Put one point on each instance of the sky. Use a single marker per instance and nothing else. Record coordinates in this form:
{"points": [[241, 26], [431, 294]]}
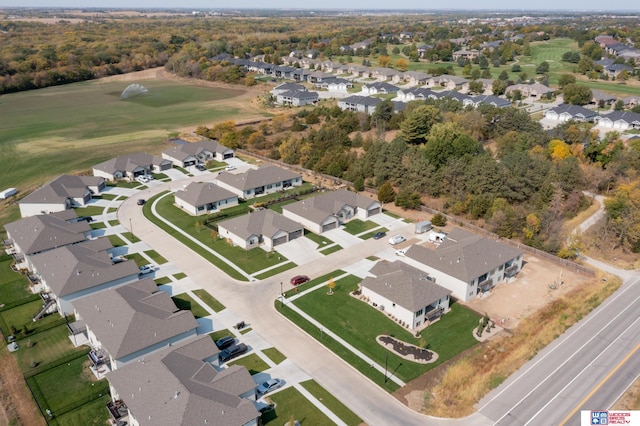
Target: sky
{"points": [[544, 5]]}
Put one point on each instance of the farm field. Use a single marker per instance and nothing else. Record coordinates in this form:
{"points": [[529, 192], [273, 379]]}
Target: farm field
{"points": [[69, 128]]}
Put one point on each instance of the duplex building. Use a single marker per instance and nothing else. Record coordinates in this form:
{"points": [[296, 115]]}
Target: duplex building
{"points": [[62, 193], [204, 198], [185, 154], [566, 112], [131, 166], [255, 182], [260, 228]]}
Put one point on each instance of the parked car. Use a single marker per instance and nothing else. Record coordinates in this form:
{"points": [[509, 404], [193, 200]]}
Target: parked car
{"points": [[269, 386], [142, 179], [230, 167], [118, 259], [299, 279], [401, 252], [85, 218], [147, 269], [149, 177], [379, 234], [225, 342], [232, 352], [397, 239], [141, 201], [200, 167]]}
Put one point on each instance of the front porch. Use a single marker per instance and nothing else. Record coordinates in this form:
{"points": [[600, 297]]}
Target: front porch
{"points": [[119, 412]]}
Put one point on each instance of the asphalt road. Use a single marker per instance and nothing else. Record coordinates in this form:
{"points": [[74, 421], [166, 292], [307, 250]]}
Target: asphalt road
{"points": [[593, 354]]}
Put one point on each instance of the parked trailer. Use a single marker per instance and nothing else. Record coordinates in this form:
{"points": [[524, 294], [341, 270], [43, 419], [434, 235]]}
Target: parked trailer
{"points": [[8, 193], [422, 227]]}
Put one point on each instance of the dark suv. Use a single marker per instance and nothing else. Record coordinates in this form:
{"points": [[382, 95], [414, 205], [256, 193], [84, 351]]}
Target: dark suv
{"points": [[232, 352], [225, 342]]}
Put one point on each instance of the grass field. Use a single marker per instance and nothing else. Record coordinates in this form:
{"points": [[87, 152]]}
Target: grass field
{"points": [[73, 127], [185, 302], [291, 404]]}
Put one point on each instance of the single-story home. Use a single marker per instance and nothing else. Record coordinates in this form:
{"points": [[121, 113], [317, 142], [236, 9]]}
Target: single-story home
{"points": [[203, 198], [130, 166], [415, 94], [535, 90], [495, 101], [466, 54], [76, 270], [357, 103], [450, 94], [450, 82], [379, 88], [255, 182], [487, 86], [466, 263], [297, 98], [185, 154], [261, 227], [60, 194], [413, 78], [335, 84], [405, 292], [318, 76], [384, 74], [178, 385], [331, 209], [619, 120], [566, 112], [40, 233], [602, 97], [286, 87], [130, 322], [631, 101], [613, 70]]}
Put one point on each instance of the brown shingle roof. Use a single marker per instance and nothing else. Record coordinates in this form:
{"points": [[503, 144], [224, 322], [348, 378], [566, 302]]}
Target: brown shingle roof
{"points": [[199, 193], [262, 176]]}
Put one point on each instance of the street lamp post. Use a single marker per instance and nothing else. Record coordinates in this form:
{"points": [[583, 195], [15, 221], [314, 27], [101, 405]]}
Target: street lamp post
{"points": [[386, 363], [131, 227], [281, 295]]}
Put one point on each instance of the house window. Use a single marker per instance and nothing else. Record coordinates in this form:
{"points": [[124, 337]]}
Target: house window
{"points": [[419, 313]]}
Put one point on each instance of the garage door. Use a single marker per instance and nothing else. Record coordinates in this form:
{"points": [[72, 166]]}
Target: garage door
{"points": [[328, 226], [189, 163], [374, 211], [279, 240], [296, 234]]}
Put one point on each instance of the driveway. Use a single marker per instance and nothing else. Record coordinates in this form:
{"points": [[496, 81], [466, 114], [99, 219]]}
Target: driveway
{"points": [[300, 251], [342, 237]]}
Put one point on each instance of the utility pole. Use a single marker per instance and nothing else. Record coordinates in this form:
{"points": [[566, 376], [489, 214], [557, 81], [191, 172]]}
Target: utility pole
{"points": [[281, 295]]}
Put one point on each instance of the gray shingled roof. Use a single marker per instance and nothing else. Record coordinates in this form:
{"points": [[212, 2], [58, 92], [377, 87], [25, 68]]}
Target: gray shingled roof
{"points": [[464, 255], [133, 317], [176, 386], [130, 162], [199, 193], [254, 178], [44, 232], [318, 208], [184, 149], [260, 222], [627, 116], [404, 285], [62, 188], [574, 110], [82, 266]]}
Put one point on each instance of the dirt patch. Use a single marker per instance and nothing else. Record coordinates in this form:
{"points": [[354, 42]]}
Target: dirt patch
{"points": [[15, 398]]}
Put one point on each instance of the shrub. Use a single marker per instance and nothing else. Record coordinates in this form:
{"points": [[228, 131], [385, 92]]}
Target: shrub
{"points": [[438, 220]]}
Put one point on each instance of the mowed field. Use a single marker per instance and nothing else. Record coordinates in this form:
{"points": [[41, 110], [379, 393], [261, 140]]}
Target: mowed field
{"points": [[73, 127]]}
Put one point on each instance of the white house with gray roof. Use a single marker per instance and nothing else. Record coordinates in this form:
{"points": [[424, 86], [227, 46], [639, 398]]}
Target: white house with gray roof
{"points": [[297, 98], [131, 321], [261, 181], [77, 270], [62, 193], [260, 227], [204, 197], [406, 293], [466, 263], [185, 154], [331, 209], [178, 385], [36, 234], [130, 166]]}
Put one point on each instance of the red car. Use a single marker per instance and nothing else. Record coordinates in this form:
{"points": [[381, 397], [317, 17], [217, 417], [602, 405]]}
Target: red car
{"points": [[299, 279]]}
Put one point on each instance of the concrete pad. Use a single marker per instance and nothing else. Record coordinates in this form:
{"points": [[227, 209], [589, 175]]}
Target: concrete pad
{"points": [[361, 268], [300, 251], [342, 237]]}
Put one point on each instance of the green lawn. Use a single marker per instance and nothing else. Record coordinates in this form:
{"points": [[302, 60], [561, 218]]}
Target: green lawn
{"points": [[271, 272], [23, 315], [253, 363], [334, 248], [372, 233], [116, 241], [186, 302], [90, 211], [292, 404], [76, 381], [180, 275], [211, 301], [219, 334], [98, 225], [107, 196], [357, 226], [156, 257], [246, 330], [274, 355], [13, 286], [132, 238], [48, 346], [318, 239], [137, 257], [313, 282], [332, 403], [92, 413], [360, 324], [114, 222], [162, 280]]}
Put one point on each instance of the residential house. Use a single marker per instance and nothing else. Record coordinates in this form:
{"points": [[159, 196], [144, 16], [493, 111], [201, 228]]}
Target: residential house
{"points": [[358, 103], [179, 386], [126, 323], [335, 84], [405, 35], [495, 101], [255, 182], [318, 76], [415, 94], [286, 87], [631, 101], [186, 154], [359, 70], [297, 98], [405, 292], [466, 54], [384, 74], [423, 49], [76, 270], [280, 71], [602, 98], [450, 82], [331, 209], [450, 94], [612, 71], [199, 198], [379, 88], [300, 75], [412, 78], [36, 234], [62, 193], [535, 90], [130, 166], [566, 112], [487, 86], [619, 120], [605, 40], [260, 228], [466, 263]]}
